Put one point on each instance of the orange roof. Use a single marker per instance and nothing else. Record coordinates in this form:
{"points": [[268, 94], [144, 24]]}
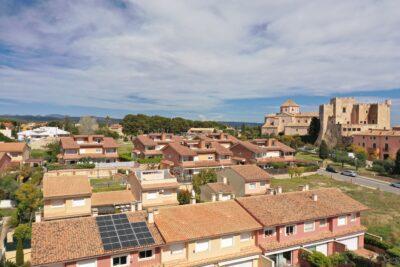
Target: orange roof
{"points": [[112, 198], [220, 187], [181, 150], [190, 222], [271, 210], [65, 186], [251, 173], [13, 147]]}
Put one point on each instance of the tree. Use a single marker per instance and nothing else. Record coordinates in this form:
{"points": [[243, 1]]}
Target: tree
{"points": [[205, 176], [8, 186], [396, 169], [5, 139], [323, 150], [184, 197], [313, 130], [29, 199], [53, 149], [318, 259], [19, 256], [23, 231], [88, 125]]}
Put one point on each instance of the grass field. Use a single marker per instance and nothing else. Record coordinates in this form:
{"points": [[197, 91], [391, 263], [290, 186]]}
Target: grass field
{"points": [[38, 153], [125, 148], [106, 184], [307, 156], [382, 219]]}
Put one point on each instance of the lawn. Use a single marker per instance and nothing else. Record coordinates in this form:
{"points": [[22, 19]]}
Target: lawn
{"points": [[307, 156], [382, 219], [106, 184], [38, 153], [125, 148]]}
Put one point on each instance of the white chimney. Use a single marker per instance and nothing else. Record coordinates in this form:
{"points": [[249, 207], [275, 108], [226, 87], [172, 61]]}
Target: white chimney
{"points": [[193, 198], [224, 180], [279, 190], [150, 216], [315, 197], [219, 196], [213, 197], [306, 187], [133, 206], [38, 216], [139, 205], [95, 212]]}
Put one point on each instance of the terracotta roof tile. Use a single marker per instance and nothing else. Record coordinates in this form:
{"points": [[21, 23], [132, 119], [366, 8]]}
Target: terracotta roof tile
{"points": [[59, 186], [289, 103], [220, 187], [251, 173], [271, 210], [189, 222], [112, 198], [12, 147], [181, 150]]}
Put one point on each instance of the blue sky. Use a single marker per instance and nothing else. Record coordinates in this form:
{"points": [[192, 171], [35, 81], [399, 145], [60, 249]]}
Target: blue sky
{"points": [[207, 59]]}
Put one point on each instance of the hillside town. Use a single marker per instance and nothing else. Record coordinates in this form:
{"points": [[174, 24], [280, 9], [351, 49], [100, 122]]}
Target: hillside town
{"points": [[316, 188]]}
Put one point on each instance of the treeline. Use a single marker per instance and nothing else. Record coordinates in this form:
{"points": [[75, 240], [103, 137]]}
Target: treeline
{"points": [[143, 124]]}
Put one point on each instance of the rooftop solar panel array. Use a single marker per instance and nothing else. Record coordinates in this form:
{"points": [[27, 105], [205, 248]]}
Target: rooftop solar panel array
{"points": [[117, 232]]}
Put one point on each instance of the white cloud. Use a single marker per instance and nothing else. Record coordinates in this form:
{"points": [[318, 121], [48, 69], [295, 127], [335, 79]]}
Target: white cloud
{"points": [[191, 56]]}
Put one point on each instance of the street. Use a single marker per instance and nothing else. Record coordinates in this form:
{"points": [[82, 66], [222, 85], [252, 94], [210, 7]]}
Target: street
{"points": [[363, 181]]}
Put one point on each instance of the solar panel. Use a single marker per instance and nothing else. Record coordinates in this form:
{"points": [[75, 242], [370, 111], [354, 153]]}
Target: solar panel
{"points": [[117, 232]]}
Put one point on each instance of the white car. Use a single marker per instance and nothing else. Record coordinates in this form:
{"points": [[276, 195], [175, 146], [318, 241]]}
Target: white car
{"points": [[349, 173]]}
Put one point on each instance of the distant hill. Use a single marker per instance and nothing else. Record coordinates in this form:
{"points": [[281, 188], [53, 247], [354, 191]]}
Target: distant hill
{"points": [[50, 117]]}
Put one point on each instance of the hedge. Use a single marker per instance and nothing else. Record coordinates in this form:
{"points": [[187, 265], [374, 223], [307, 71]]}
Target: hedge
{"points": [[376, 242], [52, 167]]}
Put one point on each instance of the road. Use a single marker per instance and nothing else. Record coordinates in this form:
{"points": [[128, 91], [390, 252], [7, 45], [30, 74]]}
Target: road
{"points": [[363, 181]]}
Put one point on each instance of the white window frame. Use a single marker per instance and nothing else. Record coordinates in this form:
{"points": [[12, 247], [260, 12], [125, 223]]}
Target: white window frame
{"points": [[307, 224], [324, 222], [353, 217], [294, 230], [80, 263], [176, 249], [201, 247], [269, 229], [244, 237], [57, 203], [252, 185], [340, 222], [151, 193], [147, 258], [120, 256], [227, 241], [78, 202]]}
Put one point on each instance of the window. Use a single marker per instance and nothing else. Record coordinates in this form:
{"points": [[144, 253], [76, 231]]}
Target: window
{"points": [[252, 185], [57, 203], [120, 261], [201, 246], [78, 202], [344, 110], [226, 241], [167, 192], [290, 230], [176, 249], [210, 157], [263, 183], [342, 220], [323, 222], [269, 232], [309, 226], [353, 217], [152, 195], [145, 254], [245, 237]]}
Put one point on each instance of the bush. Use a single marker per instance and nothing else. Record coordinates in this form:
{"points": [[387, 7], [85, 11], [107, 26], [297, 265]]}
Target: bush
{"points": [[154, 160], [323, 150], [52, 167], [376, 242], [184, 197], [318, 259], [279, 165], [125, 156], [394, 252], [357, 260]]}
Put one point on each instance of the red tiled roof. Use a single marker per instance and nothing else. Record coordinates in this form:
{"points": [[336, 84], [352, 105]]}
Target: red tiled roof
{"points": [[251, 173], [181, 150], [13, 147], [66, 186], [112, 198]]}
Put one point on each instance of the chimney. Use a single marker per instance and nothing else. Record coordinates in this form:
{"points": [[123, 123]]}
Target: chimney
{"points": [[133, 206], [95, 212], [224, 180], [304, 187], [279, 190], [38, 216], [233, 196], [150, 216], [315, 197], [139, 205], [219, 196], [193, 198], [163, 136], [213, 197]]}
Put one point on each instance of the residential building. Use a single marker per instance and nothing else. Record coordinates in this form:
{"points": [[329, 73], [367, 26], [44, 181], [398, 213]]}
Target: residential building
{"points": [[381, 144], [154, 188], [112, 202], [224, 139], [97, 148], [201, 131], [117, 128], [343, 117], [41, 133], [325, 220], [5, 161], [96, 241], [218, 191], [66, 196], [18, 151], [208, 234], [245, 180], [262, 152], [289, 121], [150, 145], [190, 156]]}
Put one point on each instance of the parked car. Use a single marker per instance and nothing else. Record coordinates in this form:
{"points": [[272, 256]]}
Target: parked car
{"points": [[397, 185], [349, 173], [330, 169]]}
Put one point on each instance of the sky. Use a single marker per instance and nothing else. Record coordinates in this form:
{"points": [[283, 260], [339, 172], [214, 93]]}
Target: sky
{"points": [[207, 60]]}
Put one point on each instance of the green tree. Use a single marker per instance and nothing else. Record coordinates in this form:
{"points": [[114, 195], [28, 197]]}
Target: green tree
{"points": [[23, 232], [396, 169], [205, 176], [313, 130], [184, 197], [8, 185], [88, 125], [19, 257], [29, 199], [323, 150], [318, 259], [53, 149]]}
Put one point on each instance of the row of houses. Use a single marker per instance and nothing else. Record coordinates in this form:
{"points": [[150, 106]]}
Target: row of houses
{"points": [[248, 231]]}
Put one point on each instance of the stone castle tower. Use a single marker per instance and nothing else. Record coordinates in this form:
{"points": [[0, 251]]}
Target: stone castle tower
{"points": [[343, 117]]}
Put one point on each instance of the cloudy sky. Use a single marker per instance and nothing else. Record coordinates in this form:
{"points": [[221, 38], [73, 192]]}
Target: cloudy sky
{"points": [[223, 60]]}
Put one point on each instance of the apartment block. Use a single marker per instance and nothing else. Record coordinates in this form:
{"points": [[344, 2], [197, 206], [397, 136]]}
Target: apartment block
{"points": [[381, 144], [19, 152], [97, 148], [150, 145], [154, 188], [344, 117], [289, 121], [262, 152], [325, 220]]}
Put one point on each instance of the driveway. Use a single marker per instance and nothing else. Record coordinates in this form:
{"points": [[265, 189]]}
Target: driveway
{"points": [[363, 181]]}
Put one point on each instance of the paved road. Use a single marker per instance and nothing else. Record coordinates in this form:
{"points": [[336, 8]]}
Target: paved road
{"points": [[363, 181]]}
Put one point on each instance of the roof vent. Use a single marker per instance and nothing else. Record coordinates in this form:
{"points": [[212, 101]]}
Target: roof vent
{"points": [[150, 216], [279, 190], [193, 198], [304, 187], [315, 197], [224, 180]]}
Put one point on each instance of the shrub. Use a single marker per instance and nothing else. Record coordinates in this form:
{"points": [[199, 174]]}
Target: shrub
{"points": [[154, 160], [125, 157], [184, 197], [394, 252], [318, 259], [323, 150], [19, 256], [376, 242], [279, 165]]}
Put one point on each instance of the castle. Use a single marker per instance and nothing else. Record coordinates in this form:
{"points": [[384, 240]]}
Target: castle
{"points": [[343, 117]]}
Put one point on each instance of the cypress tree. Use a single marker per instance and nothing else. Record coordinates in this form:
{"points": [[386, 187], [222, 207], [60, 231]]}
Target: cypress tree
{"points": [[19, 257]]}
